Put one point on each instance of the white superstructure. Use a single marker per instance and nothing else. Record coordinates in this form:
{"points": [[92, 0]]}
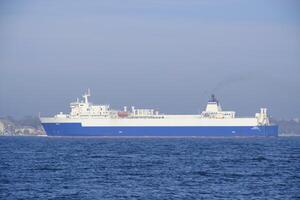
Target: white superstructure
{"points": [[90, 115]]}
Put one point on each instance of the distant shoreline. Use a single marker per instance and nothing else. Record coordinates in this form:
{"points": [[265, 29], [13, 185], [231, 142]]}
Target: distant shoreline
{"points": [[31, 126]]}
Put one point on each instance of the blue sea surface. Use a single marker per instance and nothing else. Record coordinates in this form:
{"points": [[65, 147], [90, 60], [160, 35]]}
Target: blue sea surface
{"points": [[149, 168]]}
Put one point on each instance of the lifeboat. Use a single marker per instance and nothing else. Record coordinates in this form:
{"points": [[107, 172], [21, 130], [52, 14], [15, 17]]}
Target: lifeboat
{"points": [[123, 114]]}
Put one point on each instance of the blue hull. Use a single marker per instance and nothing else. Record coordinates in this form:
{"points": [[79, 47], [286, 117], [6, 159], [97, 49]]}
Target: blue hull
{"points": [[75, 129]]}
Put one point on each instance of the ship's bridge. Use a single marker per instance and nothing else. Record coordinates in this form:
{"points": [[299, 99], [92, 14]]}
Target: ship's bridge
{"points": [[214, 110], [85, 108]]}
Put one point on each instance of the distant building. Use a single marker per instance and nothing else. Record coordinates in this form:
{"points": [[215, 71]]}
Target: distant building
{"points": [[26, 130], [2, 128]]}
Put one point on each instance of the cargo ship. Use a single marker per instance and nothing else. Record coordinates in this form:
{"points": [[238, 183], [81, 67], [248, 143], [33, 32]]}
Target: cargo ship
{"points": [[87, 119]]}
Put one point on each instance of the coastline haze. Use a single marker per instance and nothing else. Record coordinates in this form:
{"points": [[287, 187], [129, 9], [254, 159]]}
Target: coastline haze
{"points": [[167, 55]]}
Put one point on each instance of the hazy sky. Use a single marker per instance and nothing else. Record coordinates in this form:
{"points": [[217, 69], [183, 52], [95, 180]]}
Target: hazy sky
{"points": [[166, 54]]}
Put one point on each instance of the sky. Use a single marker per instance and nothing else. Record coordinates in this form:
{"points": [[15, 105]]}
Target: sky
{"points": [[164, 54]]}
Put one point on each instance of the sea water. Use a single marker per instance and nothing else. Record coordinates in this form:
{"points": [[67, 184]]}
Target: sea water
{"points": [[149, 168]]}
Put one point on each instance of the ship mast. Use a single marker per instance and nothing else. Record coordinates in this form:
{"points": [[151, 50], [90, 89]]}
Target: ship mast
{"points": [[86, 95]]}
